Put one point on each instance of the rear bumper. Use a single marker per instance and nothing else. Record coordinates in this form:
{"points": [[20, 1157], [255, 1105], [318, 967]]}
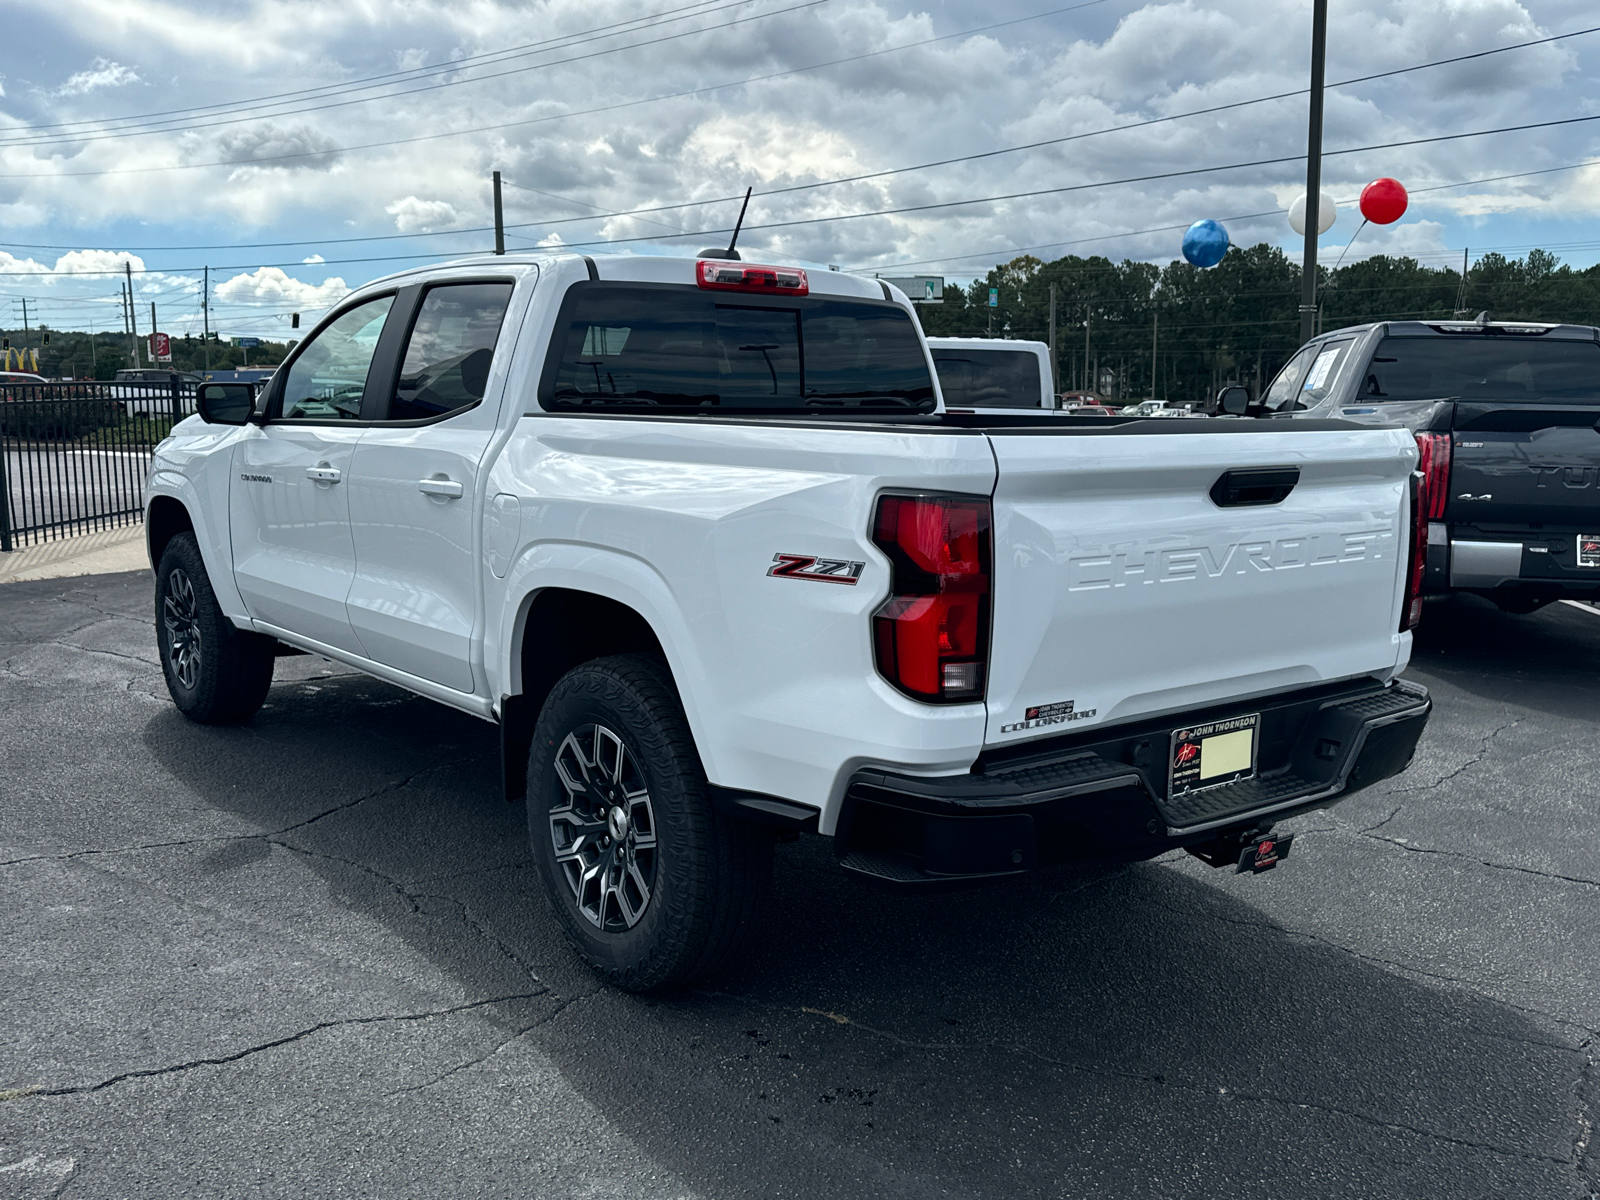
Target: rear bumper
{"points": [[1102, 795], [1539, 562]]}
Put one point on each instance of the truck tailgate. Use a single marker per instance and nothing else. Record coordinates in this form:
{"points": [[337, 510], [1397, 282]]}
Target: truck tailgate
{"points": [[1123, 590], [1526, 465]]}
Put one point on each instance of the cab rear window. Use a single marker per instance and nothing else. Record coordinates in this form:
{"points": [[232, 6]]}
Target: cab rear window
{"points": [[655, 347], [1499, 367], [988, 378]]}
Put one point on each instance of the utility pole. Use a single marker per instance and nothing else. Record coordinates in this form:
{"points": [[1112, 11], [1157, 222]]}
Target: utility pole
{"points": [[1088, 383], [1155, 331], [133, 318], [499, 219], [1055, 371], [26, 332], [152, 333], [205, 317], [1308, 282], [1461, 292]]}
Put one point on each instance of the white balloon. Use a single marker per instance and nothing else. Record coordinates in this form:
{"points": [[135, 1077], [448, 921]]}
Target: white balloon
{"points": [[1326, 212]]}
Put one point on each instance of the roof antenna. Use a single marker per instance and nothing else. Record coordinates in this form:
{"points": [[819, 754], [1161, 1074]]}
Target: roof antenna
{"points": [[730, 252]]}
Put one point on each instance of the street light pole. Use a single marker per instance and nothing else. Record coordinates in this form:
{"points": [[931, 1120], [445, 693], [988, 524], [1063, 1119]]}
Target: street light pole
{"points": [[1308, 282]]}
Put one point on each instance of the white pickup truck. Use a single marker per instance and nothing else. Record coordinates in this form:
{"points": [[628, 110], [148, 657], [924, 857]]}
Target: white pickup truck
{"points": [[988, 374], [700, 538]]}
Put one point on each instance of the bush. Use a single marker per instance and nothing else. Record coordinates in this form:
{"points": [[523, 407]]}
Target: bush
{"points": [[55, 419]]}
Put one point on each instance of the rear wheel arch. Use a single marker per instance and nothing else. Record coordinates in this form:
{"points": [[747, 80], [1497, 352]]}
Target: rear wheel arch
{"points": [[559, 629]]}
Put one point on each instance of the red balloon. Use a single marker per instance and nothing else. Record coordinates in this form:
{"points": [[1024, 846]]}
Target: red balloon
{"points": [[1383, 201]]}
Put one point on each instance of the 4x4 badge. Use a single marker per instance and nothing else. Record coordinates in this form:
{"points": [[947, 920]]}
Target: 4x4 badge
{"points": [[808, 566]]}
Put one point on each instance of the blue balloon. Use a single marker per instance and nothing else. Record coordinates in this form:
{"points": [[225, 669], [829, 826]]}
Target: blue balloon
{"points": [[1205, 242]]}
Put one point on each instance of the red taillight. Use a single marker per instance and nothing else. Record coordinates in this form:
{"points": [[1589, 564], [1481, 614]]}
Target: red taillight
{"points": [[1430, 488], [932, 633], [745, 277], [1433, 460]]}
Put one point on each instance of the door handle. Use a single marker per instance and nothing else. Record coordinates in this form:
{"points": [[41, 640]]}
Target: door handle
{"points": [[448, 488], [323, 474]]}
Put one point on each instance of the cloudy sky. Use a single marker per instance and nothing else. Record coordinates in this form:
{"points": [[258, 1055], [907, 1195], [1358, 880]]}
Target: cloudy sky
{"points": [[300, 148]]}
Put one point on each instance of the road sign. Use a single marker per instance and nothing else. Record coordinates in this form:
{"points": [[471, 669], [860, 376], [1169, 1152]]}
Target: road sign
{"points": [[160, 348], [919, 289], [994, 297], [246, 343]]}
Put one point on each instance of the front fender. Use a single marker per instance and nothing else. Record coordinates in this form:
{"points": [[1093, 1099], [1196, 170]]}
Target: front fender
{"points": [[204, 496]]}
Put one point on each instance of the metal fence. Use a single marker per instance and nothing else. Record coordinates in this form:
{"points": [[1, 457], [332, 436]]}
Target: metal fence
{"points": [[74, 456]]}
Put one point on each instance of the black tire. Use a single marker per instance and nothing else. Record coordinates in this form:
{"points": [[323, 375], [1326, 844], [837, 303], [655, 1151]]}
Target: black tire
{"points": [[217, 674], [701, 876]]}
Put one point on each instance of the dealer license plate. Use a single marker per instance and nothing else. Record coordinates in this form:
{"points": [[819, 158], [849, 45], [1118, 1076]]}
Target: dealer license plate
{"points": [[1589, 550], [1208, 756]]}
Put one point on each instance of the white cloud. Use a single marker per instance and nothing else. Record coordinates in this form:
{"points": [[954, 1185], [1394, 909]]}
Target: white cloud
{"points": [[315, 258], [271, 286], [1069, 74], [412, 215], [102, 74]]}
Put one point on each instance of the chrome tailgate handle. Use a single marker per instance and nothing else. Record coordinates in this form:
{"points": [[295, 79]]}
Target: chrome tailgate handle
{"points": [[447, 488]]}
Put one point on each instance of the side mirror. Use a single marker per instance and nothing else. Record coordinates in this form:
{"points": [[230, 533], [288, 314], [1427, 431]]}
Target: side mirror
{"points": [[226, 403], [1233, 401]]}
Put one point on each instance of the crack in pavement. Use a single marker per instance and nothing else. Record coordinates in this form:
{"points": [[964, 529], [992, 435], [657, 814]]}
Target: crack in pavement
{"points": [[268, 835], [459, 1067], [288, 1039], [1197, 1089], [1483, 751], [1483, 862], [1471, 986], [472, 1062]]}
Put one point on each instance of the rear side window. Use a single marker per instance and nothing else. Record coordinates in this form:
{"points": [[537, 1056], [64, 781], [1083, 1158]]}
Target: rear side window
{"points": [[447, 359], [1502, 367], [988, 378], [649, 347]]}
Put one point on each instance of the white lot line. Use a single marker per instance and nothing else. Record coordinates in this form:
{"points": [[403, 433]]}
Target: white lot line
{"points": [[1584, 606]]}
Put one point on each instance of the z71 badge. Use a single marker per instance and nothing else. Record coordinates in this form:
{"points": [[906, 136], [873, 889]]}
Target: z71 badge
{"points": [[808, 566]]}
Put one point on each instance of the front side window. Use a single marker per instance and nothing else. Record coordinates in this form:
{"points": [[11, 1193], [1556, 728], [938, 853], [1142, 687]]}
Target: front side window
{"points": [[1286, 386], [988, 378], [447, 359], [1324, 373], [664, 346], [328, 377], [1497, 367]]}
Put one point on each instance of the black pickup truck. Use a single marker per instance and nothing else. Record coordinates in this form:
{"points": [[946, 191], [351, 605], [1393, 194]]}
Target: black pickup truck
{"points": [[1507, 420]]}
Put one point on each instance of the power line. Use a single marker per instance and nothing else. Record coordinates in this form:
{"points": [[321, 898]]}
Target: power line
{"points": [[351, 84], [502, 125], [942, 205], [288, 112]]}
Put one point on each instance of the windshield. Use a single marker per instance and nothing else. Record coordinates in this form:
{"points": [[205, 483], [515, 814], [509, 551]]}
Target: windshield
{"points": [[666, 346], [1501, 367], [988, 378]]}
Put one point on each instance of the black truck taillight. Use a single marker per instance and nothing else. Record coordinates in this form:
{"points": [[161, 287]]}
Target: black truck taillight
{"points": [[1433, 460], [1430, 490], [931, 636]]}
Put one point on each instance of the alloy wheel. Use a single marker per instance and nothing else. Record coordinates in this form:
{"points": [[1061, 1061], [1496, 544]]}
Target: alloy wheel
{"points": [[604, 834], [179, 615]]}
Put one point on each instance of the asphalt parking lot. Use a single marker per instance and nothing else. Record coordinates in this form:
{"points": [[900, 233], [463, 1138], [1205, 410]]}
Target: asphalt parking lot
{"points": [[309, 957]]}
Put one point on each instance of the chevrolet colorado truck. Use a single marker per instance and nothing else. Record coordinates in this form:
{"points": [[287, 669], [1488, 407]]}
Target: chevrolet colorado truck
{"points": [[699, 537], [1507, 420]]}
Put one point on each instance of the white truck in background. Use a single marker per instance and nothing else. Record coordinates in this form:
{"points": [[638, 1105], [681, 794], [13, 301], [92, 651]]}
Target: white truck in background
{"points": [[993, 374], [702, 539]]}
